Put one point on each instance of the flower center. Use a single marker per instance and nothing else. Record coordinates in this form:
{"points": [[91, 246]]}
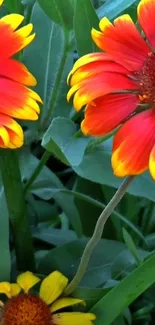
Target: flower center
{"points": [[26, 310], [147, 80]]}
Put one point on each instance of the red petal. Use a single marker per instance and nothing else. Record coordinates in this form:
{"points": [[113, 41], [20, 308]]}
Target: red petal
{"points": [[18, 101], [97, 86], [133, 144], [11, 133], [146, 14], [106, 113], [122, 41]]}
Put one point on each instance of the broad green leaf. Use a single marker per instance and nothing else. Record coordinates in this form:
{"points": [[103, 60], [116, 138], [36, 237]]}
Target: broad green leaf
{"points": [[44, 56], [84, 20], [96, 167], [112, 8], [121, 296], [14, 6], [60, 139], [61, 12], [53, 236]]}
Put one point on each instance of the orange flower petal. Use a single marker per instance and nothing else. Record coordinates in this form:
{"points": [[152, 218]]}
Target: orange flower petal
{"points": [[89, 58], [93, 68], [146, 14], [106, 113], [122, 41], [12, 41], [152, 162], [16, 71], [133, 144], [11, 133], [98, 85], [18, 101]]}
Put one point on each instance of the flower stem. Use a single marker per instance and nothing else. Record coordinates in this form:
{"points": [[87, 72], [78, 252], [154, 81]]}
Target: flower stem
{"points": [[97, 235], [17, 209], [37, 171]]}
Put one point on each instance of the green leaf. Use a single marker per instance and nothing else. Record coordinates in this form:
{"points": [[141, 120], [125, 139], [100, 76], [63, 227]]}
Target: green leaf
{"points": [[14, 6], [96, 167], [61, 12], [121, 296], [112, 8], [85, 18], [53, 236], [60, 139], [47, 186], [5, 268], [51, 51], [131, 246]]}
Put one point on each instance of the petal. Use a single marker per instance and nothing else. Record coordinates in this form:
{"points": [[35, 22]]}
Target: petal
{"points": [[65, 302], [1, 1], [104, 114], [53, 286], [97, 86], [146, 13], [11, 133], [93, 68], [122, 41], [152, 162], [73, 318], [5, 288], [133, 144], [15, 289], [16, 71], [12, 41], [89, 58], [18, 101], [27, 280]]}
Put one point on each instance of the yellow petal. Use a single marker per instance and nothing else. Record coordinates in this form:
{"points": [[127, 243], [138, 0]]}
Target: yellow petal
{"points": [[27, 280], [5, 288], [14, 20], [73, 318], [1, 1], [53, 286], [65, 302], [15, 289]]}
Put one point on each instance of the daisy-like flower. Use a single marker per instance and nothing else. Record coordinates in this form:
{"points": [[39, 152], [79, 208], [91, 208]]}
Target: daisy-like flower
{"points": [[118, 89], [16, 100], [24, 308]]}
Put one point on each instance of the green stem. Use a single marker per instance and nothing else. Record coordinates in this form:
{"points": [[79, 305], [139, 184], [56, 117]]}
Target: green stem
{"points": [[55, 91], [37, 171], [17, 209], [97, 235]]}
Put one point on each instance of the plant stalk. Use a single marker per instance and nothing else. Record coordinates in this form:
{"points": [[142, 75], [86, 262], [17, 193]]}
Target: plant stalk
{"points": [[97, 235], [17, 209]]}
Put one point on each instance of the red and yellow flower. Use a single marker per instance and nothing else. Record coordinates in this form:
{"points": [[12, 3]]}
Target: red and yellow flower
{"points": [[16, 100], [24, 308], [118, 89]]}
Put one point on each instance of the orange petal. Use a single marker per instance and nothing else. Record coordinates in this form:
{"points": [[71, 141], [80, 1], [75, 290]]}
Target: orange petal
{"points": [[122, 41], [106, 113], [89, 58], [18, 101], [133, 144], [152, 162], [146, 14], [93, 68], [11, 133], [97, 86], [16, 71], [12, 41]]}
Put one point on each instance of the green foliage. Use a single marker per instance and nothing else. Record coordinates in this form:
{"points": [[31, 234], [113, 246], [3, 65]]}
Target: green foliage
{"points": [[68, 178]]}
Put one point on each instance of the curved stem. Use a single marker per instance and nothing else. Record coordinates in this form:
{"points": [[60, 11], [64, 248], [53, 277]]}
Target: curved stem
{"points": [[17, 209], [97, 235], [37, 171]]}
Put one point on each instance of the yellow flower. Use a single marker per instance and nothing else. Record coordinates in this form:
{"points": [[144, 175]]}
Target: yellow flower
{"points": [[23, 308]]}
